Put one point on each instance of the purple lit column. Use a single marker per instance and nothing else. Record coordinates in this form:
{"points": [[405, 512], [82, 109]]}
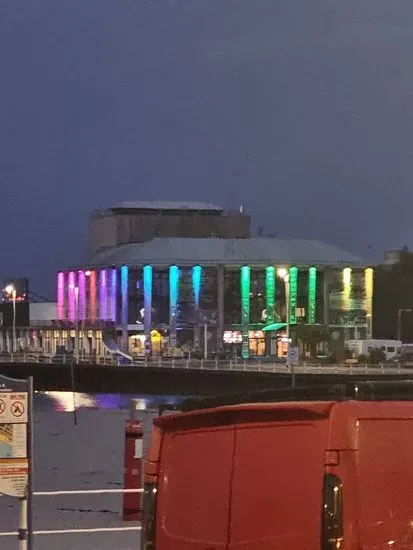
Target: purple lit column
{"points": [[124, 309], [103, 294], [113, 295], [82, 295]]}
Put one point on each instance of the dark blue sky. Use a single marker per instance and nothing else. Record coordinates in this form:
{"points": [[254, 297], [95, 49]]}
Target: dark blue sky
{"points": [[299, 110]]}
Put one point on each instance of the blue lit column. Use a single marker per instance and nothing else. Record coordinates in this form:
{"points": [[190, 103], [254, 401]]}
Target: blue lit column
{"points": [[124, 306], [147, 304], [245, 309], [173, 303], [196, 288]]}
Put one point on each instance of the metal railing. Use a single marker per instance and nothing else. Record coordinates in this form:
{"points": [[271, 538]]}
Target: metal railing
{"points": [[85, 530], [252, 365]]}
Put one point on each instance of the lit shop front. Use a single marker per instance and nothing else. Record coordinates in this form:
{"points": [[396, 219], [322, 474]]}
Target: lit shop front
{"points": [[261, 343]]}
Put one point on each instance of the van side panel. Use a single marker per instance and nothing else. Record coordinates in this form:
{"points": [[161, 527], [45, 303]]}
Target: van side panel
{"points": [[277, 486], [385, 479], [194, 489]]}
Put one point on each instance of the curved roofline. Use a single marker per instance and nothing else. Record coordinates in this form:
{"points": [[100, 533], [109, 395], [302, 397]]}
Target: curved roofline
{"points": [[232, 253]]}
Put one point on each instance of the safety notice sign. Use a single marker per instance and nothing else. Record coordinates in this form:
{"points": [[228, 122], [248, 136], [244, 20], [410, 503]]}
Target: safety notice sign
{"points": [[13, 407], [14, 477]]}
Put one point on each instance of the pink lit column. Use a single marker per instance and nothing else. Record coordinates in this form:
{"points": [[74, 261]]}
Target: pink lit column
{"points": [[61, 296], [71, 295]]}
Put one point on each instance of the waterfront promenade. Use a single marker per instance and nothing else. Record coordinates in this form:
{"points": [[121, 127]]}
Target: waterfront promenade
{"points": [[180, 376]]}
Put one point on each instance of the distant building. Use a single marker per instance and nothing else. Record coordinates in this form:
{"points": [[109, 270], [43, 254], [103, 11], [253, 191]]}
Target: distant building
{"points": [[393, 297]]}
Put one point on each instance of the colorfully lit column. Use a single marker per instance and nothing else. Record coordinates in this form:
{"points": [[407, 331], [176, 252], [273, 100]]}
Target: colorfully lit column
{"points": [[245, 309], [196, 284], [196, 288], [113, 295], [103, 295], [293, 290], [147, 305], [368, 290], [61, 296], [82, 295], [124, 305], [71, 295], [93, 313], [347, 288], [173, 303], [270, 293], [312, 296]]}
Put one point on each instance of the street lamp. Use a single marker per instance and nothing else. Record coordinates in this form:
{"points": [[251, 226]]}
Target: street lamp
{"points": [[11, 291], [282, 272], [399, 322]]}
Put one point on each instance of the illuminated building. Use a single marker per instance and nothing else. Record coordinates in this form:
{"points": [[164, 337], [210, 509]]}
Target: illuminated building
{"points": [[163, 276]]}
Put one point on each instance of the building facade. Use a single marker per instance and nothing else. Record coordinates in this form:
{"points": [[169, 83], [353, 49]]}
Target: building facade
{"points": [[247, 309]]}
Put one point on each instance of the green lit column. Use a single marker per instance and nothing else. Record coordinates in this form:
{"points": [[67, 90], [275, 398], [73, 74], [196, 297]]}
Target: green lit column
{"points": [[245, 309], [293, 289], [312, 296], [270, 293], [270, 306]]}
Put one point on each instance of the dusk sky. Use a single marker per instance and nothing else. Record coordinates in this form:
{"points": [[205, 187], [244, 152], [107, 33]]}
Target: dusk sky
{"points": [[301, 111]]}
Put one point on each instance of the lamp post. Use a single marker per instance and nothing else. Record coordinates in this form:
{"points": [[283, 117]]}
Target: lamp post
{"points": [[399, 322], [282, 272], [11, 291]]}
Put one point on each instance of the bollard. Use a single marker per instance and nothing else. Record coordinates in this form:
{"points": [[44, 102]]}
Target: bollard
{"points": [[133, 470]]}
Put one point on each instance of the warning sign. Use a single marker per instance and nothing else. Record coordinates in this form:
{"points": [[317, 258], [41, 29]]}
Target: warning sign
{"points": [[14, 475], [13, 408], [17, 409]]}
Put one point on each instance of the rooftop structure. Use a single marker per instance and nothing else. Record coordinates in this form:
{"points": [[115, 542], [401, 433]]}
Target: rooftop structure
{"points": [[140, 221], [167, 206]]}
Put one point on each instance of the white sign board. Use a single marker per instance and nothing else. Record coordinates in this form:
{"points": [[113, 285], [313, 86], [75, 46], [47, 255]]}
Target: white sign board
{"points": [[13, 408], [14, 477], [13, 443]]}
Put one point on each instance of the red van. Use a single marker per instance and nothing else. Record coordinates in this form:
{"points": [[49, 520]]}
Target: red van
{"points": [[302, 469]]}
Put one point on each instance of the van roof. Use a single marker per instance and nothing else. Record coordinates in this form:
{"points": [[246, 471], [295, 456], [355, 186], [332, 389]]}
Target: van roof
{"points": [[246, 412], [377, 390], [299, 402]]}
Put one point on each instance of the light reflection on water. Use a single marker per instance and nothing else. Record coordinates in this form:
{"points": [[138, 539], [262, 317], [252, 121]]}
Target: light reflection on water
{"points": [[68, 401]]}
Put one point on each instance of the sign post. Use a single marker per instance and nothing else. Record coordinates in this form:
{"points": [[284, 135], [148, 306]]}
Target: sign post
{"points": [[16, 450], [292, 361]]}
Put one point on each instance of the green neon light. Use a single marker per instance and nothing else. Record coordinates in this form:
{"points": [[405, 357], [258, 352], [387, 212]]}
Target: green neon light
{"points": [[245, 309], [270, 293], [312, 295], [293, 295]]}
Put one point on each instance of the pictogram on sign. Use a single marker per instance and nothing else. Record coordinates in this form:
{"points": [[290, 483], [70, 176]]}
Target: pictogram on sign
{"points": [[17, 409]]}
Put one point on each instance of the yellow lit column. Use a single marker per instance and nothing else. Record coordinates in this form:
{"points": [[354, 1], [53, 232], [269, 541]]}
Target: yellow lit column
{"points": [[368, 290], [347, 288]]}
